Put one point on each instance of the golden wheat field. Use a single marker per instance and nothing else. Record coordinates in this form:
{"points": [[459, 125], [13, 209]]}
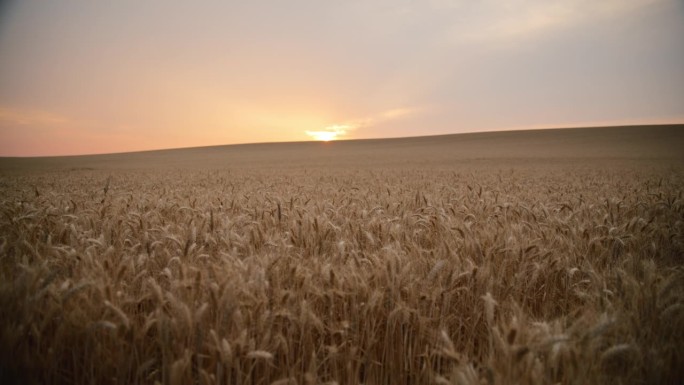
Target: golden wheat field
{"points": [[551, 257]]}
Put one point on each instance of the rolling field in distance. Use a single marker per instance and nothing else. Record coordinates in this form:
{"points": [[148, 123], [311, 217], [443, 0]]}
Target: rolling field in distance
{"points": [[599, 145], [528, 257]]}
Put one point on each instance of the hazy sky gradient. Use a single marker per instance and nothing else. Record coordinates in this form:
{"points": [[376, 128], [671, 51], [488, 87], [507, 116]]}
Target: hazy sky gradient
{"points": [[90, 77]]}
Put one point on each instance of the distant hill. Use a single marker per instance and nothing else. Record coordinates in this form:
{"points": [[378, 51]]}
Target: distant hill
{"points": [[595, 144]]}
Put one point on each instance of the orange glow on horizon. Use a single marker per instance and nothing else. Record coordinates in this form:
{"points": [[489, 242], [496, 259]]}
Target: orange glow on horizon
{"points": [[329, 133]]}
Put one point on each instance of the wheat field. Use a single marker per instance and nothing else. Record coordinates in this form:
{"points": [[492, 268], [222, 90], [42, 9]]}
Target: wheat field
{"points": [[397, 262]]}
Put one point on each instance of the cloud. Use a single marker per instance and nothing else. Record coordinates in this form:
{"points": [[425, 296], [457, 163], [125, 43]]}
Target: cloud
{"points": [[397, 113], [29, 117], [32, 131], [384, 116], [337, 131], [496, 22], [519, 20]]}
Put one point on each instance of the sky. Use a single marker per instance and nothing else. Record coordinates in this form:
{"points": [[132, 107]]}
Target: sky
{"points": [[86, 77]]}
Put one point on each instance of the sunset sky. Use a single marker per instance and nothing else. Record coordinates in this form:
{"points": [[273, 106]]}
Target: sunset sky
{"points": [[82, 77]]}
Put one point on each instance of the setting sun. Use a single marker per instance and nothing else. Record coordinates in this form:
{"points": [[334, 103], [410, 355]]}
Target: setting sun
{"points": [[329, 133]]}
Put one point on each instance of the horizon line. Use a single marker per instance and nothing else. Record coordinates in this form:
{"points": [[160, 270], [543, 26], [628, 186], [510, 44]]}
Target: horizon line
{"points": [[494, 130]]}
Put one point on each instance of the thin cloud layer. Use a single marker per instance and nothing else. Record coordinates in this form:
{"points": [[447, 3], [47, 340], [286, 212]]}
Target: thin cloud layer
{"points": [[21, 117], [339, 131], [514, 21]]}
